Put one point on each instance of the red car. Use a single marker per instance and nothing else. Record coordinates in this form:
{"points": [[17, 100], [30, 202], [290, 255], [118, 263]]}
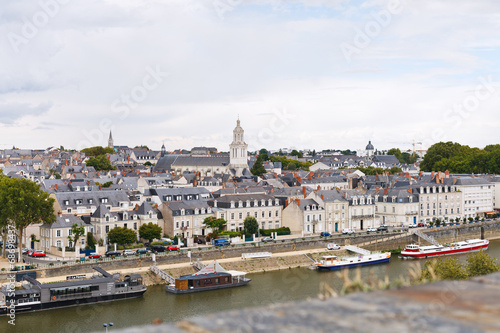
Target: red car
{"points": [[172, 248], [421, 224], [94, 256], [38, 254]]}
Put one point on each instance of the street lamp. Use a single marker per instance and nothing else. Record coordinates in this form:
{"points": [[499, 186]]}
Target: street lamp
{"points": [[105, 325]]}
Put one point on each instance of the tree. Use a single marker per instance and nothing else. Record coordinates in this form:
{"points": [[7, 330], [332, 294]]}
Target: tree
{"points": [[250, 225], [480, 263], [444, 269], [150, 231], [75, 234], [22, 203], [296, 153], [122, 236], [100, 162], [215, 224], [141, 147], [148, 163], [97, 151], [106, 184], [90, 241], [258, 169]]}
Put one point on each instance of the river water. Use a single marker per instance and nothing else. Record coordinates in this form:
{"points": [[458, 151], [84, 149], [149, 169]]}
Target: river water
{"points": [[266, 288]]}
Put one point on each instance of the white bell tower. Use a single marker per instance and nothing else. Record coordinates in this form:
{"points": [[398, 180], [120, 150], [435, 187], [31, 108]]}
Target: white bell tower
{"points": [[238, 150]]}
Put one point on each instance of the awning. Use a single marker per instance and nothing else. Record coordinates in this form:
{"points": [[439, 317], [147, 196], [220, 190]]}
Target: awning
{"points": [[237, 273]]}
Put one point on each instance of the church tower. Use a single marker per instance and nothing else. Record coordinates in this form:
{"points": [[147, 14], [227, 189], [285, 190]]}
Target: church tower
{"points": [[238, 150], [163, 150], [110, 141]]}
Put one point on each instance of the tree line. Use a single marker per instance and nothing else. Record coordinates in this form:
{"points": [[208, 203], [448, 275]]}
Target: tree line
{"points": [[457, 158]]}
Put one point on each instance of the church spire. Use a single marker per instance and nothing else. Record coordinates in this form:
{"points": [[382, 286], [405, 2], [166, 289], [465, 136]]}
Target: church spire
{"points": [[110, 140]]}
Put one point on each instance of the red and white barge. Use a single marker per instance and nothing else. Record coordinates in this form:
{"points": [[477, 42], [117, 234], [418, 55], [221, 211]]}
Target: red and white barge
{"points": [[414, 251]]}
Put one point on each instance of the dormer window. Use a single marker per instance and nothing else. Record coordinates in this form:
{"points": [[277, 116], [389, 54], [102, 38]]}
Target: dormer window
{"points": [[150, 215], [270, 202], [66, 202], [91, 201], [232, 204], [107, 218], [104, 200], [125, 216], [134, 217], [78, 201], [248, 203]]}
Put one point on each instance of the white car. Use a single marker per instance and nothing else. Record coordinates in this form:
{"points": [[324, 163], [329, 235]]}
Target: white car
{"points": [[333, 246], [371, 229], [347, 231], [128, 252], [267, 239]]}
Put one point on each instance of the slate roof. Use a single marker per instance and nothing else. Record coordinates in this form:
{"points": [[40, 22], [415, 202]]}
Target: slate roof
{"points": [[65, 221]]}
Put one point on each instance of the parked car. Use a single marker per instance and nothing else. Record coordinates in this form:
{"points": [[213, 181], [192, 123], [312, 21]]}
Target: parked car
{"points": [[382, 228], [172, 248], [333, 246], [157, 248], [141, 251], [371, 229], [38, 253], [221, 242], [347, 231], [421, 224], [112, 254], [324, 234], [26, 250], [30, 252], [267, 239], [166, 240], [94, 256], [128, 252], [412, 225]]}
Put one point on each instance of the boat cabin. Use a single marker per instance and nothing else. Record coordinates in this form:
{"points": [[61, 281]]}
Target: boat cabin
{"points": [[202, 281], [412, 248], [329, 260]]}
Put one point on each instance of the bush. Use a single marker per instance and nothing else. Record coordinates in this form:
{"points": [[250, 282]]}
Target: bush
{"points": [[281, 231], [230, 233]]}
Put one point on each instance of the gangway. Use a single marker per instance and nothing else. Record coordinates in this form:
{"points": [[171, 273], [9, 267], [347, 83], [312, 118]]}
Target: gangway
{"points": [[428, 238], [356, 249], [162, 274], [198, 265]]}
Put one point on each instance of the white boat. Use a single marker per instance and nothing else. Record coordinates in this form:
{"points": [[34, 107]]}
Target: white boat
{"points": [[333, 262], [415, 251]]}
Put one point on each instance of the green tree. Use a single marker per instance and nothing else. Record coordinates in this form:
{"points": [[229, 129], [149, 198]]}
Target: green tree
{"points": [[141, 147], [106, 184], [250, 225], [100, 162], [444, 269], [148, 163], [122, 236], [22, 203], [296, 153], [480, 263], [150, 231], [75, 234], [258, 169], [98, 150], [90, 241], [215, 224]]}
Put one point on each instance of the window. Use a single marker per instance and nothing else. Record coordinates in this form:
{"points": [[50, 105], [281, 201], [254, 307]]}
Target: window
{"points": [[232, 216], [240, 215], [58, 233], [135, 226], [177, 225], [277, 213], [69, 210], [107, 228], [270, 214]]}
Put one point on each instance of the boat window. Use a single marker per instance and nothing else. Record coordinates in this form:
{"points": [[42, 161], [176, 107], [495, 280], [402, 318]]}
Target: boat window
{"points": [[217, 281], [226, 279], [197, 283]]}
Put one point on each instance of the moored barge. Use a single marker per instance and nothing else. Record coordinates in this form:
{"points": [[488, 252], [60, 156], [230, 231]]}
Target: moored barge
{"points": [[35, 296], [414, 251]]}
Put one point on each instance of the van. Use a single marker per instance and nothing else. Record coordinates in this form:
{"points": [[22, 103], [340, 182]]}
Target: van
{"points": [[157, 248], [221, 242]]}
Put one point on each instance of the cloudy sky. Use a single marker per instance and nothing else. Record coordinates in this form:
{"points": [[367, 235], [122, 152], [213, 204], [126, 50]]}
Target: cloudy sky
{"points": [[302, 74]]}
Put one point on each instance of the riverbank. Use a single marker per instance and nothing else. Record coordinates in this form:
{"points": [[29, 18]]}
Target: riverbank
{"points": [[278, 261]]}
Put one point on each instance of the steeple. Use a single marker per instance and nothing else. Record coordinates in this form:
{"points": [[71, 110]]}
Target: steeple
{"points": [[238, 150], [110, 140], [163, 150]]}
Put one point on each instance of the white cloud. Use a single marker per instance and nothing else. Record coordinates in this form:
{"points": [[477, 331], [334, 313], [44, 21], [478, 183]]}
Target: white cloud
{"points": [[261, 57]]}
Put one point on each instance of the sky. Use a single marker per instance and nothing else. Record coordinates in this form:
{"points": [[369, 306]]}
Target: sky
{"points": [[303, 74]]}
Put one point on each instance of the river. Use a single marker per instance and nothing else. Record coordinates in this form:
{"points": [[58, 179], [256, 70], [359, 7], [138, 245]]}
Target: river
{"points": [[266, 288]]}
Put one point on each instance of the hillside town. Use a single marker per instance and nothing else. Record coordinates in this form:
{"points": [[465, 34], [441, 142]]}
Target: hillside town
{"points": [[177, 190]]}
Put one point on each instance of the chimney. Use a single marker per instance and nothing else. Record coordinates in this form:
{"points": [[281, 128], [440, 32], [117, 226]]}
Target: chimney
{"points": [[410, 190], [298, 202], [319, 188], [195, 182], [432, 174], [322, 197], [299, 179], [223, 184], [272, 190], [56, 187], [377, 189], [137, 172], [385, 191], [447, 173], [286, 203]]}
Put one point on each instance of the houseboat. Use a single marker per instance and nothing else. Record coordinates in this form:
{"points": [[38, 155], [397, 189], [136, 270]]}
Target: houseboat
{"points": [[414, 251], [211, 277], [102, 287]]}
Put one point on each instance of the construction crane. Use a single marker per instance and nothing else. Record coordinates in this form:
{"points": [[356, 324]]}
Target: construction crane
{"points": [[417, 143]]}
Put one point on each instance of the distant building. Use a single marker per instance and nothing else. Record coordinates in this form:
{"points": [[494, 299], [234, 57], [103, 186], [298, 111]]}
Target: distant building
{"points": [[110, 141]]}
